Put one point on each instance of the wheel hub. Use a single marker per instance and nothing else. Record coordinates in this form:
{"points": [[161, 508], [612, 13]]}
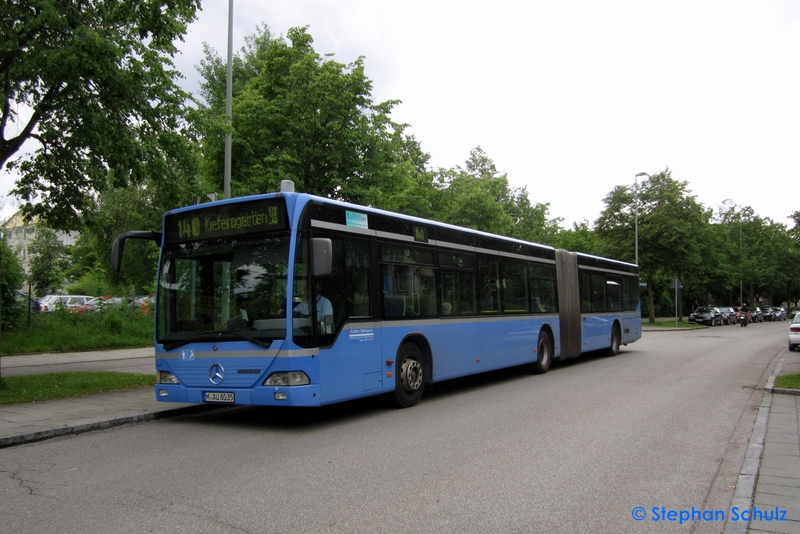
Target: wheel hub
{"points": [[411, 375], [544, 352]]}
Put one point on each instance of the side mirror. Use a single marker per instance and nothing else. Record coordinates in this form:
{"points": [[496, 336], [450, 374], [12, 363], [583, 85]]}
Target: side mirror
{"points": [[323, 256], [119, 244]]}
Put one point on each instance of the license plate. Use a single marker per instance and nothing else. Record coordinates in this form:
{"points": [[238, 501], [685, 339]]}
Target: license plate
{"points": [[219, 396]]}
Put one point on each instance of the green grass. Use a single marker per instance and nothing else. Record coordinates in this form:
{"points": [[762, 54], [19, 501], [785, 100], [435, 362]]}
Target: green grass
{"points": [[63, 331], [32, 388], [667, 324], [788, 381]]}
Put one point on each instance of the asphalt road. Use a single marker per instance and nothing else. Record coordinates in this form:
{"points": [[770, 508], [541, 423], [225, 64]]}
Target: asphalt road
{"points": [[663, 424]]}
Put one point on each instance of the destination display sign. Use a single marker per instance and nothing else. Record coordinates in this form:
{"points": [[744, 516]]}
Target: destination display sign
{"points": [[226, 220]]}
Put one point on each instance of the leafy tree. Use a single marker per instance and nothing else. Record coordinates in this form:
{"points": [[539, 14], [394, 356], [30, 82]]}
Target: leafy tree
{"points": [[91, 283], [48, 261], [765, 254], [671, 225], [12, 278], [478, 196], [118, 210], [301, 116], [792, 264], [415, 190], [770, 246], [718, 275], [94, 85], [795, 230], [616, 225], [581, 238]]}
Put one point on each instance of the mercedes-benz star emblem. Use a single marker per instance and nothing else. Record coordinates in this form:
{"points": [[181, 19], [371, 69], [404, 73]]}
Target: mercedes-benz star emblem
{"points": [[216, 373]]}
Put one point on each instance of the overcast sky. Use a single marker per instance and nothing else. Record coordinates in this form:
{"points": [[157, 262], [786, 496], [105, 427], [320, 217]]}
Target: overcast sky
{"points": [[570, 98]]}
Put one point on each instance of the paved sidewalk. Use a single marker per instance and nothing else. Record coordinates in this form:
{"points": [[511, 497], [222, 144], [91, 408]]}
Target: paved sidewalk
{"points": [[35, 421], [775, 502]]}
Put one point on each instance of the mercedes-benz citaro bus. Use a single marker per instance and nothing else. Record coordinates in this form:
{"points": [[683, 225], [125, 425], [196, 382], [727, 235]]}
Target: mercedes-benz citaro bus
{"points": [[289, 299]]}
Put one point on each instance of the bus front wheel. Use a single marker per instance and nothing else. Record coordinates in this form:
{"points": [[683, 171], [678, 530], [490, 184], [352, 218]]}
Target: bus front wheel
{"points": [[409, 377], [544, 355]]}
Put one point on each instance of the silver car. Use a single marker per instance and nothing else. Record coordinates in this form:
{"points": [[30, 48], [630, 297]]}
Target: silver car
{"points": [[51, 302], [728, 315]]}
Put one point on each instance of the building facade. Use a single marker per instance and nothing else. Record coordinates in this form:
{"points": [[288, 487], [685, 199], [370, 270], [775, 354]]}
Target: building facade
{"points": [[19, 234]]}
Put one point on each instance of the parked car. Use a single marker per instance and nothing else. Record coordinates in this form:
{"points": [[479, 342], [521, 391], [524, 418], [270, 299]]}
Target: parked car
{"points": [[767, 313], [144, 303], [45, 299], [706, 315], [758, 315], [780, 314], [728, 314], [32, 304], [51, 302], [98, 303], [794, 333]]}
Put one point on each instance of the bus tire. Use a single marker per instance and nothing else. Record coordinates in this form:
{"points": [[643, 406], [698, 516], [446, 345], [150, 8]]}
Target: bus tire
{"points": [[544, 355], [613, 350], [409, 377]]}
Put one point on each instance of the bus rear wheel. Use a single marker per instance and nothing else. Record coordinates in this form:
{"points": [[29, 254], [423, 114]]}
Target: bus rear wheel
{"points": [[409, 377], [544, 355]]}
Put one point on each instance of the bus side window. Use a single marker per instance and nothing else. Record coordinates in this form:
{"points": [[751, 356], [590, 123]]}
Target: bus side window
{"points": [[614, 289], [358, 294], [466, 293], [394, 301], [335, 288], [424, 294], [543, 299], [358, 268], [598, 293], [586, 292], [458, 290], [488, 286], [514, 287]]}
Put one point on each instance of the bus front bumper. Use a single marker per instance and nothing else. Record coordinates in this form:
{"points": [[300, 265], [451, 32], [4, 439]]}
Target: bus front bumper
{"points": [[258, 396]]}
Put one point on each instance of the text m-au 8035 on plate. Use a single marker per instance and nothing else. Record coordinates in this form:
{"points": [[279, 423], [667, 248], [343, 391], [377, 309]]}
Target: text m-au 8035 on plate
{"points": [[219, 396]]}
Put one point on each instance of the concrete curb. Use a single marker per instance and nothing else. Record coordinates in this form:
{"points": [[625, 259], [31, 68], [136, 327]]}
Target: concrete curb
{"points": [[101, 425], [746, 484]]}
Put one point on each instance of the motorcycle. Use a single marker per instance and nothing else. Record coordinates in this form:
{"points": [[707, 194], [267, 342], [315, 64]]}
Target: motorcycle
{"points": [[743, 318]]}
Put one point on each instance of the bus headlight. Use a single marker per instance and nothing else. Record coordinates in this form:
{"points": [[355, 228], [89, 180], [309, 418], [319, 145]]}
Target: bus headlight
{"points": [[165, 377], [290, 378]]}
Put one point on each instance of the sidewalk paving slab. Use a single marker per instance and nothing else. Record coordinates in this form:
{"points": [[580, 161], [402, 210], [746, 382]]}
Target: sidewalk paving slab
{"points": [[778, 481]]}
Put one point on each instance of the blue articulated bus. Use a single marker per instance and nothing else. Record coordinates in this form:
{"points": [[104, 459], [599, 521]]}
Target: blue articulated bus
{"points": [[288, 299]]}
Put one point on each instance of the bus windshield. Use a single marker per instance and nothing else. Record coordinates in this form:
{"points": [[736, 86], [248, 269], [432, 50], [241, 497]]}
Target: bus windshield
{"points": [[228, 288]]}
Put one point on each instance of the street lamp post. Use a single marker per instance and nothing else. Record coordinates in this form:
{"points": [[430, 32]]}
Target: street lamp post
{"points": [[228, 104], [636, 212]]}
